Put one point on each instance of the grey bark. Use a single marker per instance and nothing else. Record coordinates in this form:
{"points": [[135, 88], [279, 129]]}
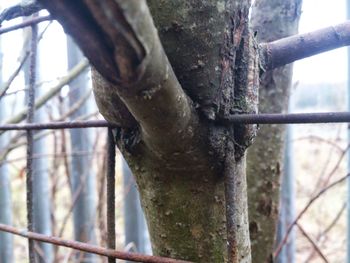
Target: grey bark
{"points": [[136, 231], [83, 177], [177, 150], [6, 239], [41, 175], [265, 157]]}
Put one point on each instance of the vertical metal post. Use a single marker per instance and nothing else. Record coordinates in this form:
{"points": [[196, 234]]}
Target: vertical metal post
{"points": [[30, 118], [111, 193]]}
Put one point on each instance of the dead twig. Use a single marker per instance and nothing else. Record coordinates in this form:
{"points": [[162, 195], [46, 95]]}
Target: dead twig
{"points": [[311, 201], [314, 245]]}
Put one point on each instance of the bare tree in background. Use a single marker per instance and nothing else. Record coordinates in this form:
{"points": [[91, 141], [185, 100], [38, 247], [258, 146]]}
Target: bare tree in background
{"points": [[136, 232], [82, 175], [266, 155], [41, 168], [6, 240]]}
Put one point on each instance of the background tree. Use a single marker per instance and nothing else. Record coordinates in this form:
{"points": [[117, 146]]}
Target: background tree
{"points": [[6, 240], [136, 232], [82, 175], [265, 156]]}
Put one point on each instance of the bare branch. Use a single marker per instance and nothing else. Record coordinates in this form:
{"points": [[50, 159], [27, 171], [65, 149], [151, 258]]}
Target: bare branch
{"points": [[287, 50], [314, 245], [8, 83], [312, 200], [51, 93], [134, 63]]}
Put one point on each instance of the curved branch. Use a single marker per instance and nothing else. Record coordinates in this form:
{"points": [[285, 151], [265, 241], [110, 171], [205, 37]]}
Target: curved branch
{"points": [[132, 61], [287, 50]]}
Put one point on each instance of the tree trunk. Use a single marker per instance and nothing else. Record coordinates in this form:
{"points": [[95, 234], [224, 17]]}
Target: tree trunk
{"points": [[265, 157], [6, 239], [136, 232], [170, 104]]}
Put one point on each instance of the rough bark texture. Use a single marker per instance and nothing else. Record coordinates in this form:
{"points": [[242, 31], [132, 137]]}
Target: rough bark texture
{"points": [[177, 151], [265, 157]]}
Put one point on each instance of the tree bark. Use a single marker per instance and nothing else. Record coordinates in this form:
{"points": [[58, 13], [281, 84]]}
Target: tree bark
{"points": [[265, 157], [180, 155]]}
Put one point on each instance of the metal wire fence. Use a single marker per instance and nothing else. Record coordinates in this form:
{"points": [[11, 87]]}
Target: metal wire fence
{"points": [[334, 117]]}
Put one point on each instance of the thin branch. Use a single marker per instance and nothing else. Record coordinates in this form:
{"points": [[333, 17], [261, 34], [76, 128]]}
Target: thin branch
{"points": [[26, 23], [139, 63], [311, 201], [287, 50], [328, 228], [52, 92], [8, 83], [88, 248], [321, 140], [23, 58], [314, 245]]}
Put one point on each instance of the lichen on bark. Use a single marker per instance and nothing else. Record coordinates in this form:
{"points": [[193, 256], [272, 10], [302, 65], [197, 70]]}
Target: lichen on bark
{"points": [[172, 139]]}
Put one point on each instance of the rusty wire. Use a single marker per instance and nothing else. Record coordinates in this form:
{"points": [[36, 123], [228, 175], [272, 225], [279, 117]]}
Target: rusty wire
{"points": [[137, 257], [29, 22], [30, 141], [263, 118]]}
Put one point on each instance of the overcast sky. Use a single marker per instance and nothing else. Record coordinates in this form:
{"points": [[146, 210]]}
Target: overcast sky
{"points": [[330, 66]]}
